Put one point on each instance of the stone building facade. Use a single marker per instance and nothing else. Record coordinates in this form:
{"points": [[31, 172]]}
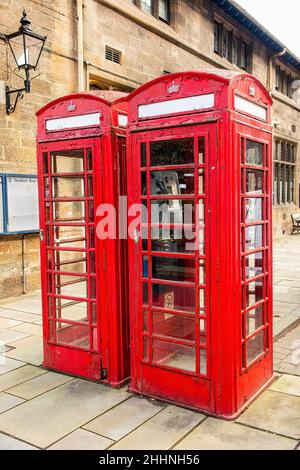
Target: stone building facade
{"points": [[120, 44]]}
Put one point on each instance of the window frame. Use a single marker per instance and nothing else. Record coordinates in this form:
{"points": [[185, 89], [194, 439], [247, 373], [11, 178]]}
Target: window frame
{"points": [[284, 82], [284, 191], [235, 45], [155, 10]]}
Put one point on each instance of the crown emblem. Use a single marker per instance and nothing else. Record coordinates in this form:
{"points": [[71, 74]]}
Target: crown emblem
{"points": [[71, 107], [174, 87], [252, 90]]}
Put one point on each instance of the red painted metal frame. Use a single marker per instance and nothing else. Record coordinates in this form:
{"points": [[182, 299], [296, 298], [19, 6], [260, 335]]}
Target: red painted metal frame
{"points": [[229, 385], [109, 359]]}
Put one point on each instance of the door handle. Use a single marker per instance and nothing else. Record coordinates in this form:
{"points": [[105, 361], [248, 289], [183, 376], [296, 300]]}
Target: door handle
{"points": [[42, 235]]}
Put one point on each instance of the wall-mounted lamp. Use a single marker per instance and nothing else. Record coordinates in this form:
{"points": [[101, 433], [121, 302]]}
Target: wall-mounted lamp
{"points": [[26, 47]]}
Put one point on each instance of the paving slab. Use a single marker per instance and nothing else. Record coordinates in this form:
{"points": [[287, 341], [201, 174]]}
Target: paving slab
{"points": [[8, 401], [9, 443], [287, 384], [19, 316], [9, 336], [82, 440], [275, 412], [20, 375], [124, 418], [7, 323], [7, 364], [23, 304], [161, 432], [29, 328], [29, 350], [216, 434], [286, 368], [44, 420], [39, 385]]}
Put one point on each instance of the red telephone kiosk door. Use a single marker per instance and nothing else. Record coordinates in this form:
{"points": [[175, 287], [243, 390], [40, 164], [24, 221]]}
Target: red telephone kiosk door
{"points": [[76, 164], [200, 174], [69, 192], [172, 353]]}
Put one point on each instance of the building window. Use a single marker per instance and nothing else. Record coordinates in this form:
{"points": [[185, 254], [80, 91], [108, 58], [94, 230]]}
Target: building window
{"points": [[231, 47], [284, 82], [147, 5], [284, 172], [158, 8], [164, 10]]}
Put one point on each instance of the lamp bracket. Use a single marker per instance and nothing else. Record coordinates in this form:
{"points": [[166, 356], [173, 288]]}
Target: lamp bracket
{"points": [[19, 95]]}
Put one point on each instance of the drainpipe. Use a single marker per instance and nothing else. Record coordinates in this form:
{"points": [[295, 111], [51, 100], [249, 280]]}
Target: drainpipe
{"points": [[80, 45], [270, 71]]}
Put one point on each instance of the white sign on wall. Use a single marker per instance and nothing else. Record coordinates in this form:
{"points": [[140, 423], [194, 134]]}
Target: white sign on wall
{"points": [[22, 204]]}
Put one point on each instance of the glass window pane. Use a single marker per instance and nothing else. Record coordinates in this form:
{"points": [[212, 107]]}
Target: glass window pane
{"points": [[201, 209], [173, 269], [254, 292], [172, 182], [72, 310], [145, 267], [145, 321], [254, 265], [203, 361], [143, 183], [143, 155], [67, 187], [45, 163], [174, 355], [172, 152], [254, 210], [255, 347], [254, 181], [147, 5], [74, 335], [173, 240], [202, 272], [202, 299], [254, 319], [174, 297], [201, 150], [201, 190], [254, 153], [163, 10], [254, 237], [146, 348], [74, 286], [173, 212], [202, 327], [70, 161], [69, 211], [174, 326], [145, 293]]}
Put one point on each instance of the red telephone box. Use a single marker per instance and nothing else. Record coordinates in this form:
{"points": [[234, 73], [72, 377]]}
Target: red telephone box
{"points": [[201, 260], [81, 165]]}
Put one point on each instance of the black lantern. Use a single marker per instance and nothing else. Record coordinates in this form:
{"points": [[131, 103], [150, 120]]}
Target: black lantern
{"points": [[26, 47]]}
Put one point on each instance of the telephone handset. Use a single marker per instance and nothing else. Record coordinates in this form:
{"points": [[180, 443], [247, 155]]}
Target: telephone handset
{"points": [[167, 183]]}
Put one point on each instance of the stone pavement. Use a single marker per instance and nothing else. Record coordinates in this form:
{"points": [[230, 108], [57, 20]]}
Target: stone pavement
{"points": [[46, 410]]}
